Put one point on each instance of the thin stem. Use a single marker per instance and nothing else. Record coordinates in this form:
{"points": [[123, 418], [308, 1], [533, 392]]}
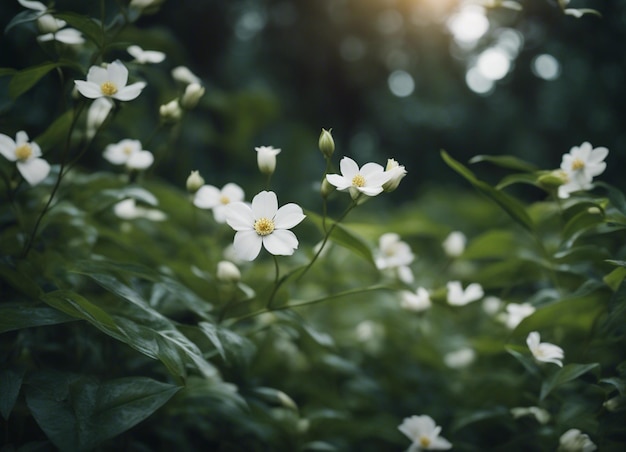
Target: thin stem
{"points": [[277, 283]]}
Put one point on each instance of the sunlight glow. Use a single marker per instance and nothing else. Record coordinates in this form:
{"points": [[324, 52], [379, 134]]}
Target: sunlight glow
{"points": [[468, 25], [477, 82], [494, 63]]}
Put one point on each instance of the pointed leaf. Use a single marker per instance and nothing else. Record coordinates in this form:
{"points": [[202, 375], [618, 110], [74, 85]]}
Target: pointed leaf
{"points": [[505, 161], [23, 17], [564, 375], [10, 382], [15, 316], [25, 79], [90, 27]]}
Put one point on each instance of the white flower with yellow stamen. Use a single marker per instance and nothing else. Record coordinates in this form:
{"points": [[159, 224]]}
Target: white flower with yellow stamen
{"points": [[263, 224], [424, 434], [27, 155], [544, 351], [210, 197], [580, 166], [130, 153], [367, 180], [145, 56], [109, 82]]}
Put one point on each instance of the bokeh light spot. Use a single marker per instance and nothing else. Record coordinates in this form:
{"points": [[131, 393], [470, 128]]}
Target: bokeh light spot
{"points": [[546, 67], [401, 83]]}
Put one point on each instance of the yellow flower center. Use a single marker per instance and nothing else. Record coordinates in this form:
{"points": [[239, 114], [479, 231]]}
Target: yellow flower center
{"points": [[127, 150], [578, 164], [108, 88], [424, 441], [358, 180], [225, 200], [264, 226], [23, 152]]}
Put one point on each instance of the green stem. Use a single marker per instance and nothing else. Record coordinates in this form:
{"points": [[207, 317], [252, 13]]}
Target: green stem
{"points": [[277, 283]]}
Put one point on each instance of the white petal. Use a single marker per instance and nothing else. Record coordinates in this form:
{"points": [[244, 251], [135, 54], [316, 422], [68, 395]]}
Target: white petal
{"points": [[247, 244], [37, 6], [440, 443], [533, 340], [7, 147], [115, 154], [598, 154], [140, 160], [34, 170], [370, 169], [219, 213], [88, 89], [21, 138], [338, 181], [130, 92], [117, 74], [265, 205], [233, 192], [348, 168], [239, 216], [97, 75], [473, 292], [69, 36], [281, 242], [288, 216], [153, 56], [135, 51], [207, 197], [377, 179], [371, 191]]}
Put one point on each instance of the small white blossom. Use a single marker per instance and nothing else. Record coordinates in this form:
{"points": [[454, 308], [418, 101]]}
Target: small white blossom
{"points": [[130, 153], [367, 180], [574, 440], [266, 158], [129, 210], [194, 182], [541, 415], [460, 358], [459, 297], [27, 155], [396, 172], [69, 36], [396, 254], [228, 272], [171, 111], [49, 24], [109, 82], [515, 313], [145, 56], [210, 197], [580, 166], [544, 351], [491, 305], [97, 114], [424, 434], [417, 301], [454, 244], [184, 75], [191, 96], [263, 224]]}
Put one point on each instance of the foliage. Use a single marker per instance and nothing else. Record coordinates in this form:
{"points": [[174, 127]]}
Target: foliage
{"points": [[119, 330]]}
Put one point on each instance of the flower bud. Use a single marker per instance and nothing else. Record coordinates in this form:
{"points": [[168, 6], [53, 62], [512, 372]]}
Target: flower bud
{"points": [[194, 182], [171, 112], [454, 244], [49, 24], [553, 179], [193, 93], [326, 143], [397, 172], [228, 272], [327, 188], [266, 159], [184, 75]]}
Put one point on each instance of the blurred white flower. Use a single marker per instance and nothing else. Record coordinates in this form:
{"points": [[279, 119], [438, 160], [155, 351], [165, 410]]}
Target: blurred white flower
{"points": [[35, 6], [49, 24], [145, 56], [424, 434], [581, 165], [264, 224], [460, 358], [394, 253], [129, 210], [184, 75], [194, 182], [210, 197], [143, 4], [544, 351], [97, 114], [397, 172], [515, 313], [542, 416], [415, 301], [109, 82], [228, 272], [266, 158], [65, 36], [454, 244], [27, 155], [191, 96], [459, 297], [171, 111], [130, 153], [574, 440], [491, 305], [367, 180]]}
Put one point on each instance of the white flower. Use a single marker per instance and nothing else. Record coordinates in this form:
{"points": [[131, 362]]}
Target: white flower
{"points": [[544, 351], [395, 254], [27, 156], [454, 244], [460, 358], [415, 301], [109, 82], [129, 210], [424, 434], [210, 197], [171, 111], [191, 96], [97, 114], [35, 6], [491, 305], [143, 4], [581, 165], [145, 56], [396, 172], [367, 180], [49, 24], [459, 297], [228, 272], [266, 158], [264, 224], [184, 75], [128, 152], [542, 416], [515, 313], [66, 36], [574, 440]]}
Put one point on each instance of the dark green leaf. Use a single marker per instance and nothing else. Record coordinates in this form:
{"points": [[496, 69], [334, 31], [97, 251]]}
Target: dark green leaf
{"points": [[6, 71], [90, 27], [521, 178], [78, 307], [615, 278], [57, 132], [526, 361], [566, 374], [505, 161], [15, 316], [23, 17], [231, 346], [10, 384], [25, 79]]}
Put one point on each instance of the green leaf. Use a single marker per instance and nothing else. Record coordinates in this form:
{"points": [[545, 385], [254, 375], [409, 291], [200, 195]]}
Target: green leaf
{"points": [[10, 382], [615, 278], [25, 79], [529, 364], [19, 278], [505, 161], [23, 17], [509, 204], [15, 316], [77, 412], [57, 132], [90, 27], [77, 306], [344, 237], [495, 243], [520, 178], [231, 346], [564, 375], [6, 71]]}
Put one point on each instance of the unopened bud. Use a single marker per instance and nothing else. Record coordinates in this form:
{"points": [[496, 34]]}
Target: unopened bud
{"points": [[396, 172], [194, 182], [171, 112], [228, 272], [193, 93], [326, 143], [553, 179], [49, 24], [184, 75], [266, 159]]}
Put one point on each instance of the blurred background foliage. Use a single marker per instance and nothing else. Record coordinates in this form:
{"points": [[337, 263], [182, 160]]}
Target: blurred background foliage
{"points": [[393, 78]]}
